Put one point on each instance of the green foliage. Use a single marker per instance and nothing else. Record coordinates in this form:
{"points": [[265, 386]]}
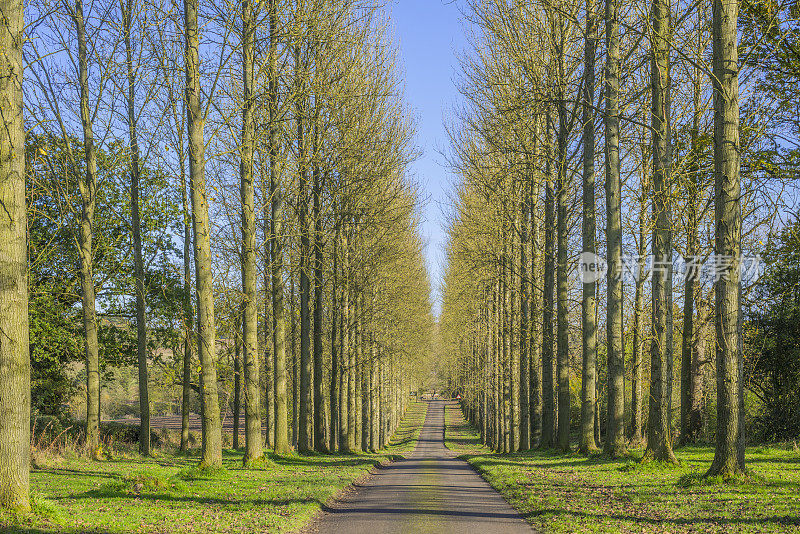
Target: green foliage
{"points": [[54, 206], [772, 334]]}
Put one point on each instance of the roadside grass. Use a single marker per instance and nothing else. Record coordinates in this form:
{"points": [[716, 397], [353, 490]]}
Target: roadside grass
{"points": [[572, 493], [460, 436], [168, 493]]}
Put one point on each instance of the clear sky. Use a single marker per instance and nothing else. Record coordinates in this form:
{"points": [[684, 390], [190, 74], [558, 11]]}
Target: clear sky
{"points": [[430, 33]]}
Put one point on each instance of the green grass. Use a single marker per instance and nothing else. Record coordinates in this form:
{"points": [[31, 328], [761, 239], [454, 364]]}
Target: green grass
{"points": [[168, 493], [572, 493], [460, 436]]}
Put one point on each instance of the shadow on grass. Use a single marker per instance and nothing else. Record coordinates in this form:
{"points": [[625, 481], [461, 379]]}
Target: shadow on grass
{"points": [[73, 472], [481, 460], [170, 497], [322, 460], [787, 520]]}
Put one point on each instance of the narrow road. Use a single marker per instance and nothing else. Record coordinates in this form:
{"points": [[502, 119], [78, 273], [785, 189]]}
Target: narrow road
{"points": [[429, 492]]}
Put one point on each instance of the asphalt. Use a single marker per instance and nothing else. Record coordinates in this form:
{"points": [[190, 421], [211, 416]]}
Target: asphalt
{"points": [[430, 491]]}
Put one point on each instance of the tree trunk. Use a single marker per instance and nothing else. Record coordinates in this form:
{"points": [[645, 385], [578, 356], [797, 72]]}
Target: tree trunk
{"points": [[524, 330], [562, 318], [295, 367], [206, 342], [548, 391], [237, 382], [335, 353], [690, 294], [615, 445], [364, 373], [374, 399], [637, 402], [320, 430], [589, 302], [536, 300], [141, 324], [188, 313], [729, 449], [305, 441], [15, 370], [659, 442], [252, 389], [344, 354], [88, 189]]}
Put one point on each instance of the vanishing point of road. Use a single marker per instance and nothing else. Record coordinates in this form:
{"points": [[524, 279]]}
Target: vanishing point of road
{"points": [[430, 491]]}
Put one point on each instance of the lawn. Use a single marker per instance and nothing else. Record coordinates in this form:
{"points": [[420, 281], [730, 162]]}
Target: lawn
{"points": [[572, 493], [166, 493]]}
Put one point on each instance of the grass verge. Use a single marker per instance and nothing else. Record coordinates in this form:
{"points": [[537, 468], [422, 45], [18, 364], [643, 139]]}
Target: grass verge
{"points": [[572, 493], [168, 493]]}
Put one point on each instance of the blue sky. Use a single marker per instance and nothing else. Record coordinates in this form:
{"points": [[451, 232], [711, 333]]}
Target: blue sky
{"points": [[430, 33]]}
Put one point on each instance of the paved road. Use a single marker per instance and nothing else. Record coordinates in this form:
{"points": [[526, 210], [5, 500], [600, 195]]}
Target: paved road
{"points": [[429, 492]]}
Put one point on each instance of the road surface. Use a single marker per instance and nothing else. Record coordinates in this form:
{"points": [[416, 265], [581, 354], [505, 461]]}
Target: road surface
{"points": [[429, 492]]}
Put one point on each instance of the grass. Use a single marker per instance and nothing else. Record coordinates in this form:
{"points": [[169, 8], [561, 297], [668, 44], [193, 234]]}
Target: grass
{"points": [[572, 493], [168, 493]]}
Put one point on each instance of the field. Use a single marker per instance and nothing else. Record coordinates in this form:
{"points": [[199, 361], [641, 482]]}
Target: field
{"points": [[572, 493], [167, 493]]}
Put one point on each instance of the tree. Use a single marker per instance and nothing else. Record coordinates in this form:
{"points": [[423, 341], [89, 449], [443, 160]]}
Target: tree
{"points": [[252, 396], [615, 431], [127, 8], [589, 301], [659, 440], [730, 440], [276, 214], [15, 400], [206, 341]]}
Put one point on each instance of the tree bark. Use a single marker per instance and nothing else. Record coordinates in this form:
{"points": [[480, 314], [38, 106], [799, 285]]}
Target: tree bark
{"points": [[88, 189], [237, 382], [562, 318], [276, 214], [15, 370], [548, 391], [637, 402], [524, 329], [659, 442], [335, 353], [206, 342], [252, 389], [730, 442], [126, 6], [320, 430], [589, 302], [615, 445], [188, 312]]}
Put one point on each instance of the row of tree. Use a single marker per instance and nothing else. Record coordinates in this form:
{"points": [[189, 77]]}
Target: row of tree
{"points": [[681, 167], [267, 142]]}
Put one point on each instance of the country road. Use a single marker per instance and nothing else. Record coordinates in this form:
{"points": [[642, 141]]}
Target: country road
{"points": [[431, 491]]}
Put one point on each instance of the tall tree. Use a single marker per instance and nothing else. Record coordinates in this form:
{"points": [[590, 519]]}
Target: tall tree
{"points": [[88, 188], [127, 8], [207, 337], [615, 432], [659, 439], [252, 394], [15, 370], [278, 285], [729, 448], [589, 301]]}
